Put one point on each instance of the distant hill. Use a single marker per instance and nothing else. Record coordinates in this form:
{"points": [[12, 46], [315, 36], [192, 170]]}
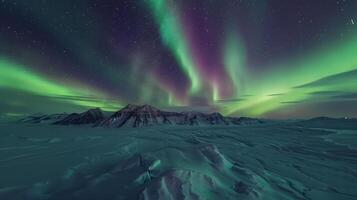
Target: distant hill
{"points": [[43, 118], [330, 123]]}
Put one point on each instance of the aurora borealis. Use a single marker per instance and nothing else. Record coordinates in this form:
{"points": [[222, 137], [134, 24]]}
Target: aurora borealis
{"points": [[260, 58]]}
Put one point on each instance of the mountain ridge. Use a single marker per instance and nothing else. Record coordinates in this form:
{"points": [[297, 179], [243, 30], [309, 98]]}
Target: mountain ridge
{"points": [[148, 116], [140, 116]]}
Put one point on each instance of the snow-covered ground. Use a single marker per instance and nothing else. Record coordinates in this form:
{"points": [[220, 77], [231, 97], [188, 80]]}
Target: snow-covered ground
{"points": [[268, 161]]}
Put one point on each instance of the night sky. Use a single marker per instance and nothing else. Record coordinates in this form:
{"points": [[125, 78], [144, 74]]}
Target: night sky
{"points": [[260, 58]]}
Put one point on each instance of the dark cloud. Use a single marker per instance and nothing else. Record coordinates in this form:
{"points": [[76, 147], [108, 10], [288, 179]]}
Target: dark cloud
{"points": [[346, 96], [81, 98], [325, 93]]}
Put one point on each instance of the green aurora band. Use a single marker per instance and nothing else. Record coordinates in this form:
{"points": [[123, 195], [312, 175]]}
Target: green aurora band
{"points": [[282, 85], [234, 61], [278, 89], [173, 37], [273, 91], [16, 77]]}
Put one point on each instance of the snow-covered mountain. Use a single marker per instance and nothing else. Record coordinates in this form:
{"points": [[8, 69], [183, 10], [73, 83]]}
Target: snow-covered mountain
{"points": [[197, 118], [134, 116], [146, 115]]}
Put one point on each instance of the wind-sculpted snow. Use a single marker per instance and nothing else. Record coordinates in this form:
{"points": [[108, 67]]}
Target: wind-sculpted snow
{"points": [[266, 161]]}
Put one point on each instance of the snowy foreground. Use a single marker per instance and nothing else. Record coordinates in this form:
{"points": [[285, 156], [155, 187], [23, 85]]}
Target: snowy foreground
{"points": [[266, 161]]}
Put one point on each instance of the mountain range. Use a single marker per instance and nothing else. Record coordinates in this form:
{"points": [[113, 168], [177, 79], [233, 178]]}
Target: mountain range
{"points": [[140, 116]]}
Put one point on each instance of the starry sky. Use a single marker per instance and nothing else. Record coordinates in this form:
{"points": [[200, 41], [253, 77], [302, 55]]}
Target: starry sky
{"points": [[258, 58]]}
